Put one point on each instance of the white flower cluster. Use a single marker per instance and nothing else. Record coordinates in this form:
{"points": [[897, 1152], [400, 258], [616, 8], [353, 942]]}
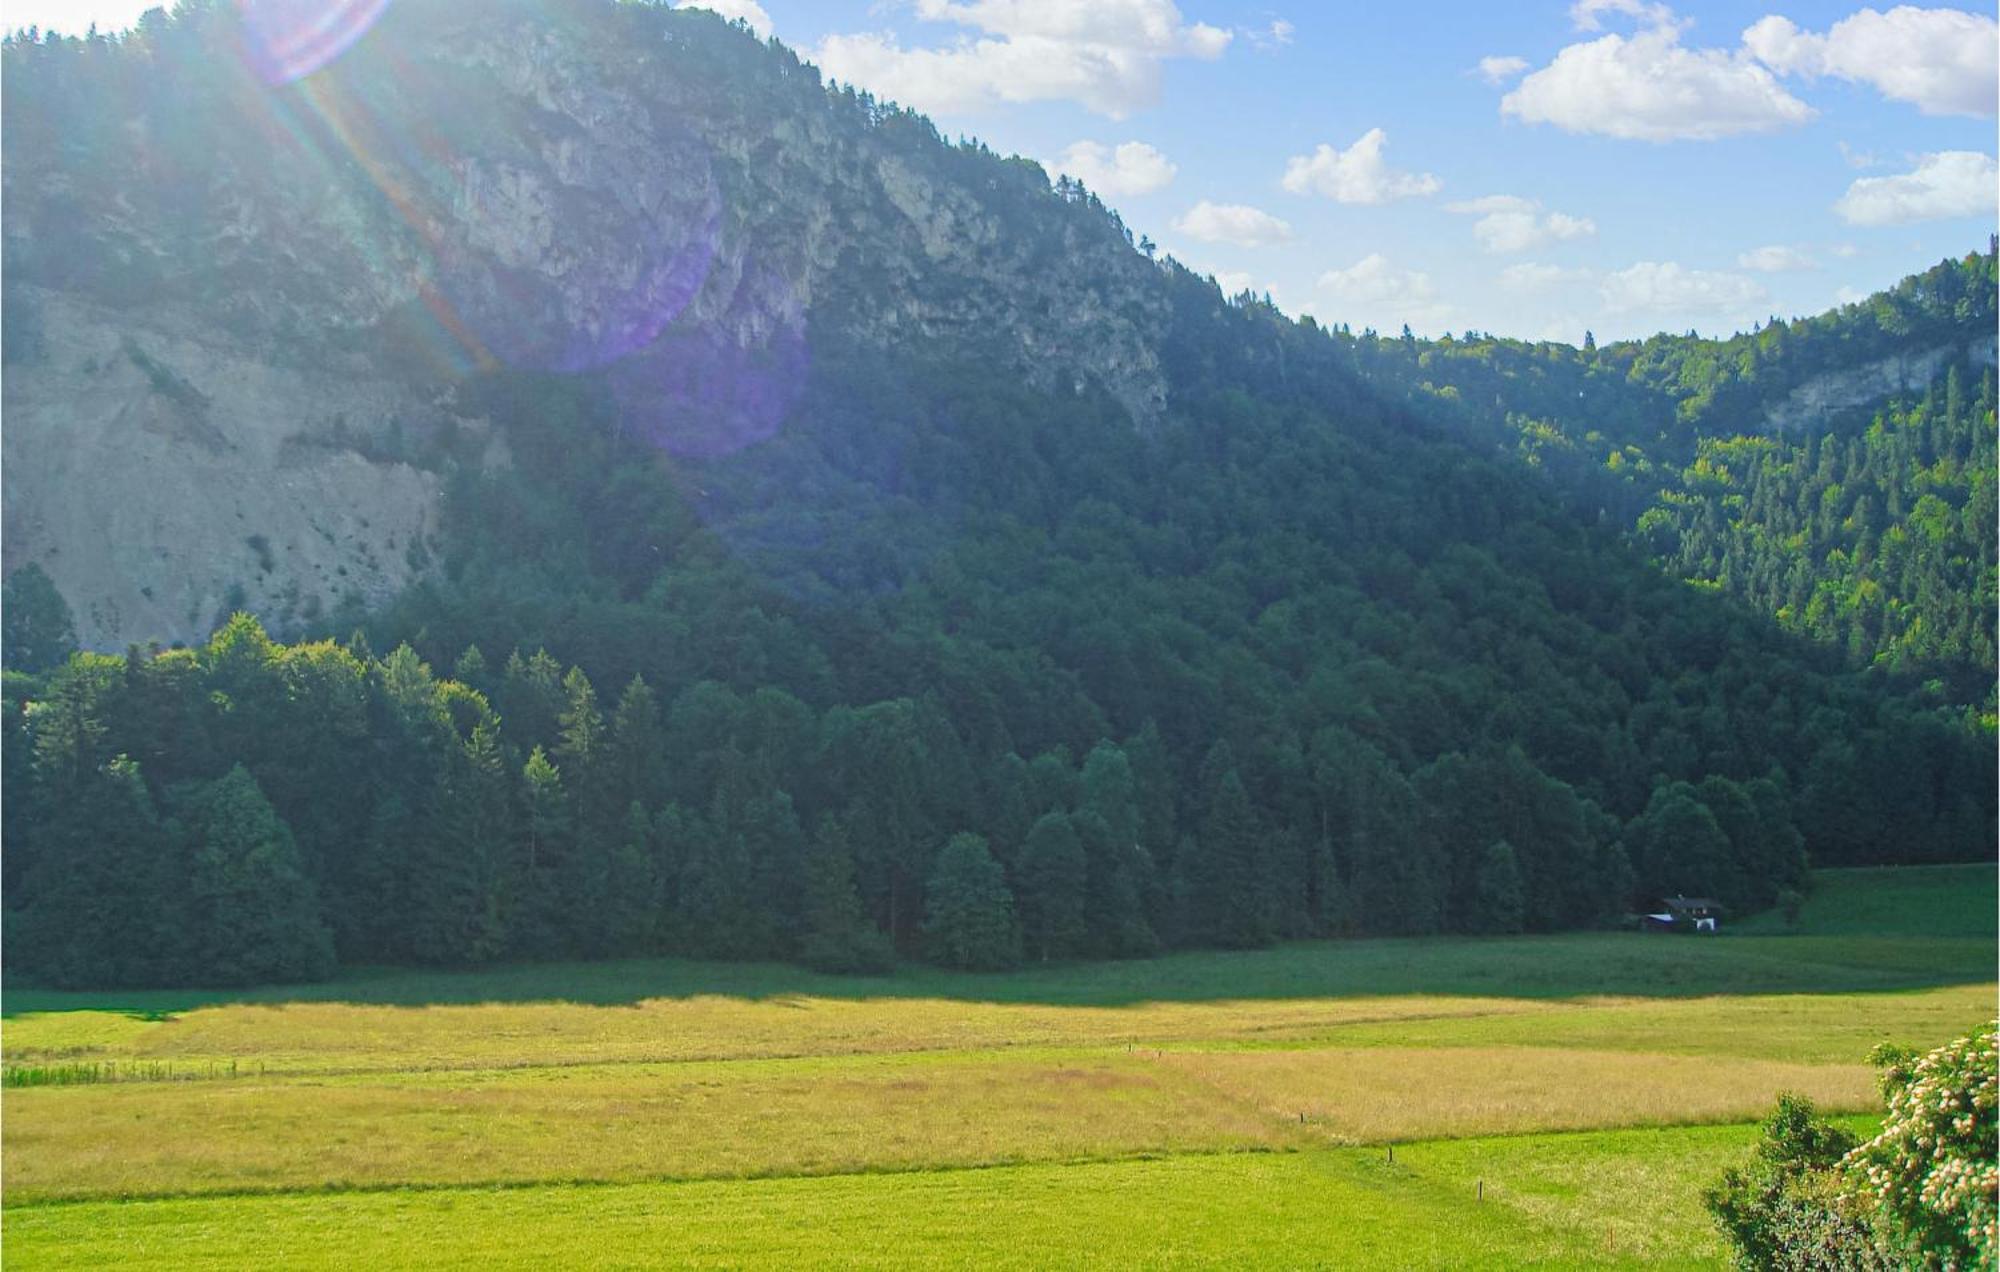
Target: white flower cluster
{"points": [[1933, 1165]]}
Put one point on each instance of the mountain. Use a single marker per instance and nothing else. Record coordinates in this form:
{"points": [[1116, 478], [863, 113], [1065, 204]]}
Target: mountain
{"points": [[843, 544]]}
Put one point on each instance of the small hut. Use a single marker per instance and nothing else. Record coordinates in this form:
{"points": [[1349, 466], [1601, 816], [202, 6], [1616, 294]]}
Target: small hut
{"points": [[1699, 913]]}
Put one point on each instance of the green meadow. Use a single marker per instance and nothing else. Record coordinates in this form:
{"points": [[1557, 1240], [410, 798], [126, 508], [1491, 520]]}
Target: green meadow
{"points": [[1551, 1101]]}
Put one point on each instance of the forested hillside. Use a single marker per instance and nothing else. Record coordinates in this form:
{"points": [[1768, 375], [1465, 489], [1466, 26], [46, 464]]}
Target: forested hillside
{"points": [[938, 658], [1837, 471]]}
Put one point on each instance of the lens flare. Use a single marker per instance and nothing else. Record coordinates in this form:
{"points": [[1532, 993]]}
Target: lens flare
{"points": [[699, 393], [566, 277], [287, 40]]}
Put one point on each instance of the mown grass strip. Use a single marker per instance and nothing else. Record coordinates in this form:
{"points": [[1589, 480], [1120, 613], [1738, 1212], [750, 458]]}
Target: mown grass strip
{"points": [[1618, 1199]]}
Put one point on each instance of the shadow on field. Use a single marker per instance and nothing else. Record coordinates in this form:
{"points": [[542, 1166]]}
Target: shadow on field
{"points": [[1938, 929]]}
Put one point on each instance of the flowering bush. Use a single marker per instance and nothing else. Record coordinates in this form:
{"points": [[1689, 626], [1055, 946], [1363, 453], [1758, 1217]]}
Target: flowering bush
{"points": [[1931, 1176]]}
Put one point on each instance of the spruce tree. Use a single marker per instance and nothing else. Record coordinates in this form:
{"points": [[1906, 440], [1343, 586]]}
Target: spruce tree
{"points": [[252, 913], [836, 934], [1498, 901], [638, 747], [457, 871], [1236, 913], [37, 631], [632, 901], [545, 848], [1119, 874], [1049, 886], [968, 911], [105, 890]]}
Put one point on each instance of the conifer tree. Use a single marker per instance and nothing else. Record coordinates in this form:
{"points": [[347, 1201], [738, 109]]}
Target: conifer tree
{"points": [[252, 913], [105, 889], [1049, 884], [638, 747], [546, 841], [836, 933], [457, 870], [1498, 903], [968, 911], [37, 631]]}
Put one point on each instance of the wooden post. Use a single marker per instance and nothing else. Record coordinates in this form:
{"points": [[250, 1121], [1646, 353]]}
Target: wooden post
{"points": [[1482, 1190]]}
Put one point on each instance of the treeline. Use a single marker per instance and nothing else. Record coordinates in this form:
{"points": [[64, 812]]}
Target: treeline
{"points": [[241, 812]]}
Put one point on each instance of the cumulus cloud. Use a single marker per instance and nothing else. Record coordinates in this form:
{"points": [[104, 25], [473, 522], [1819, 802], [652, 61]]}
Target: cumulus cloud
{"points": [[1943, 61], [1508, 223], [748, 10], [1133, 167], [1668, 287], [1358, 174], [1775, 260], [1233, 223], [1372, 292], [1498, 70], [1648, 87], [1102, 54], [1950, 183]]}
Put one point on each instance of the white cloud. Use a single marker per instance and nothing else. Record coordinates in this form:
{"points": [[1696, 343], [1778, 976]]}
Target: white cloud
{"points": [[1498, 70], [1584, 13], [1950, 183], [1372, 292], [1133, 167], [1858, 158], [1849, 296], [1233, 223], [1102, 54], [1234, 282], [1845, 251], [1273, 37], [1358, 174], [1943, 61], [1532, 276], [1647, 87], [1776, 259], [1667, 287], [1508, 223], [748, 10]]}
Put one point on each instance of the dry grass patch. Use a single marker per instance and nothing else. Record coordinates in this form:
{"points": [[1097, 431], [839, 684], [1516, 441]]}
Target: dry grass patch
{"points": [[1396, 1093], [316, 1037], [1802, 1028], [612, 1123]]}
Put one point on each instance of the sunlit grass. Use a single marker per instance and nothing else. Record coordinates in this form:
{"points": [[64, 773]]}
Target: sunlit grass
{"points": [[656, 1111], [1621, 1199], [1392, 1093], [1926, 901]]}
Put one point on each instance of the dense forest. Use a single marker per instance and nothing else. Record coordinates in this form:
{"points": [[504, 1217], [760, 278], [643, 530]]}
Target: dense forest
{"points": [[1365, 636], [1675, 438]]}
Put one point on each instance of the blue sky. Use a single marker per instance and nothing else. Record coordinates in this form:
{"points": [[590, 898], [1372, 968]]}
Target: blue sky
{"points": [[1533, 169]]}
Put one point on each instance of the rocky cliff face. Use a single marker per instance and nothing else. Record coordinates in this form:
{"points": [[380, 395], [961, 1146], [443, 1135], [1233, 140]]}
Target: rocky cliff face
{"points": [[236, 312], [163, 478], [1813, 403]]}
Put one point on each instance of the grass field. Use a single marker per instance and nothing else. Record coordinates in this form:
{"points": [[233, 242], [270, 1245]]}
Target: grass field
{"points": [[1551, 1100]]}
